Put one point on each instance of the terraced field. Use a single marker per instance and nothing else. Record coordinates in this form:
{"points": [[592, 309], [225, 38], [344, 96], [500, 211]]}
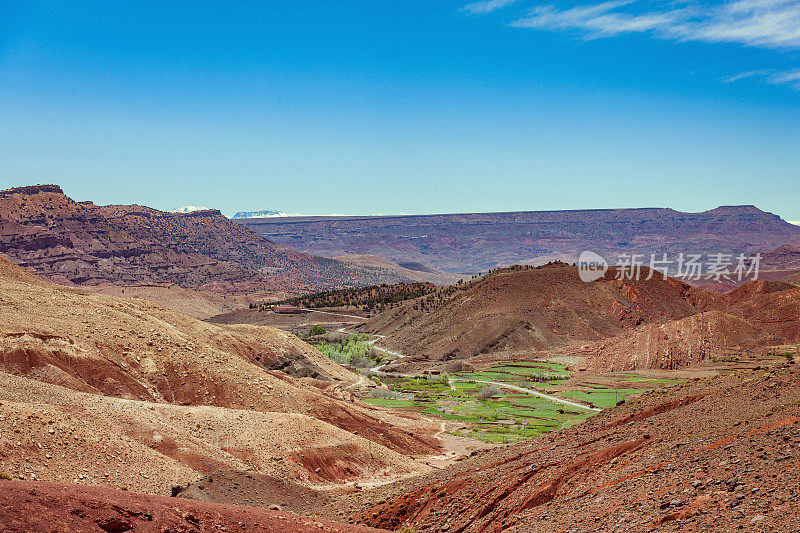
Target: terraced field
{"points": [[511, 415]]}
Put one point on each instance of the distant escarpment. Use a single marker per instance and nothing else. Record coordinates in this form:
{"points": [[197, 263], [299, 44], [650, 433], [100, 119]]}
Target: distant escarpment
{"points": [[477, 242], [81, 243]]}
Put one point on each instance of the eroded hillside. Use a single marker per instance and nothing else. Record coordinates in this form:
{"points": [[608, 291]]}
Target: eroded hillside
{"points": [[614, 324], [156, 397]]}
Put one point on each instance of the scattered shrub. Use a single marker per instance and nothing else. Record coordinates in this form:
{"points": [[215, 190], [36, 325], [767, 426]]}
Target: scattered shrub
{"points": [[389, 394], [316, 330], [489, 391]]}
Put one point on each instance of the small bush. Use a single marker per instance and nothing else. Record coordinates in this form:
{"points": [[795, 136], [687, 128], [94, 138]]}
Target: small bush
{"points": [[316, 330], [5, 475], [444, 377], [489, 391], [389, 394], [362, 361]]}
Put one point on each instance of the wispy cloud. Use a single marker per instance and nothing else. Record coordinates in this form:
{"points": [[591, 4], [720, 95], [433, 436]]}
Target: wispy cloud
{"points": [[759, 23], [487, 6], [773, 24], [790, 78], [597, 20], [787, 78], [745, 75]]}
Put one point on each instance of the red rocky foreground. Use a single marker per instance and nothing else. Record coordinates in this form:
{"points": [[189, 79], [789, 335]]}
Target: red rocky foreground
{"points": [[49, 507]]}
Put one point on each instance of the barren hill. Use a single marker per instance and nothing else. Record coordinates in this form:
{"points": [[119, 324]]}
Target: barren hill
{"points": [[779, 264], [754, 317], [125, 392], [615, 324], [81, 243], [477, 242], [786, 257], [409, 271], [528, 310]]}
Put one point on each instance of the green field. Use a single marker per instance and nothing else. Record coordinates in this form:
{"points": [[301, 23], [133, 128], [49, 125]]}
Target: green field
{"points": [[389, 402], [512, 416]]}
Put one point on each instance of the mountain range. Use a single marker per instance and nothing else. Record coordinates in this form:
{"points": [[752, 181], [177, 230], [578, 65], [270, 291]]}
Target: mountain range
{"points": [[477, 242]]}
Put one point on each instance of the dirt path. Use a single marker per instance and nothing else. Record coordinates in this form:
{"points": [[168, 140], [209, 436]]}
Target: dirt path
{"points": [[535, 393]]}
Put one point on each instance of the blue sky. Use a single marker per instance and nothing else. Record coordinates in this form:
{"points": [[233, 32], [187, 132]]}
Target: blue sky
{"points": [[405, 107]]}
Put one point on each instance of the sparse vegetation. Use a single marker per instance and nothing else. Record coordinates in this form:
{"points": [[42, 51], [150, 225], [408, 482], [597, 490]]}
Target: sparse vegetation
{"points": [[389, 394], [494, 414]]}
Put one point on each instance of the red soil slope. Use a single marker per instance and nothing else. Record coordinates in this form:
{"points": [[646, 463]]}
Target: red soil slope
{"points": [[617, 324], [526, 310], [178, 392], [754, 317], [30, 506]]}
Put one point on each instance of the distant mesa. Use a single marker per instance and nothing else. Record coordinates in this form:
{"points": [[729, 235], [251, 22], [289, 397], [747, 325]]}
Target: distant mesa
{"points": [[265, 213], [32, 189]]}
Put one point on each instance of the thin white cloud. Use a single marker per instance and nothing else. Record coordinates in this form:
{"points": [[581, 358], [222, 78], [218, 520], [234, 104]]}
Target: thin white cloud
{"points": [[786, 78], [758, 23], [745, 75], [486, 6], [790, 78], [761, 23], [598, 20]]}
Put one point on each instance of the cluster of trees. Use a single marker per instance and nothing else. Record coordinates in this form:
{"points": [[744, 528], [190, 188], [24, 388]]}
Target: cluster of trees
{"points": [[354, 351], [375, 297]]}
